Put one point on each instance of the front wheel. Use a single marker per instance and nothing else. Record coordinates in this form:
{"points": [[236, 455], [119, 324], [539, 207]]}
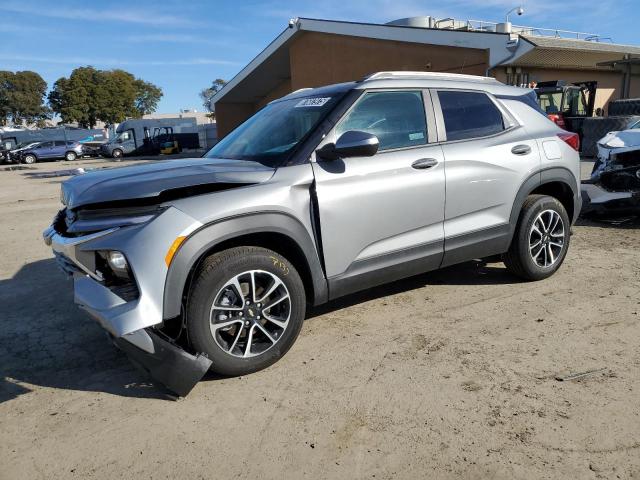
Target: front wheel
{"points": [[29, 159], [541, 240], [117, 153], [70, 156], [245, 310]]}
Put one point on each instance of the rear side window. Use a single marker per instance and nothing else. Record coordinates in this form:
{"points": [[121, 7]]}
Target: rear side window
{"points": [[469, 115], [396, 118]]}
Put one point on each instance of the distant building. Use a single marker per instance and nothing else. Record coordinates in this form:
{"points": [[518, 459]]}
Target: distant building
{"points": [[311, 53], [202, 118]]}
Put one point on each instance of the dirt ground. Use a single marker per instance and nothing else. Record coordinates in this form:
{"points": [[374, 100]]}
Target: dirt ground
{"points": [[446, 375]]}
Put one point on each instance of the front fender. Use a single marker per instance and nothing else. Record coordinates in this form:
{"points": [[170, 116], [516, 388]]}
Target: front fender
{"points": [[207, 237]]}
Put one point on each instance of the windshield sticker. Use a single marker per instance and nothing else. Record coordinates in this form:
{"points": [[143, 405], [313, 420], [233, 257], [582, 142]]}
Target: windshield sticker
{"points": [[312, 102], [416, 136]]}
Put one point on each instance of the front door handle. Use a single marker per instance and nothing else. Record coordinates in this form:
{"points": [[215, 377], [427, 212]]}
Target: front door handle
{"points": [[521, 150], [423, 163]]}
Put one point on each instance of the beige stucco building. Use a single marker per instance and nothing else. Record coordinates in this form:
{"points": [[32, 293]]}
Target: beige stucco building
{"points": [[311, 53]]}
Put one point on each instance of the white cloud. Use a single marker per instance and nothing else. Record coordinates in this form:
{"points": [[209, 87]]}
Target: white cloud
{"points": [[112, 62], [124, 14]]}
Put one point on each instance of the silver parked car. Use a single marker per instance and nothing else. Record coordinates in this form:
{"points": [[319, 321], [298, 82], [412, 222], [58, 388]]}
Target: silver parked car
{"points": [[209, 263]]}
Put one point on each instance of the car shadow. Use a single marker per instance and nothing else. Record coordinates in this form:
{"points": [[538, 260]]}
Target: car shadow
{"points": [[476, 272], [626, 222], [45, 340]]}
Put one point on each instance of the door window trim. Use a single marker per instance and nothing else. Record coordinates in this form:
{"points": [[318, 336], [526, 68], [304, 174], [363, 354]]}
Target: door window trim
{"points": [[510, 122]]}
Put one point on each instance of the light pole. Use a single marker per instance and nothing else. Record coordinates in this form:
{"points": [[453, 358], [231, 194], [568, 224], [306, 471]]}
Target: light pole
{"points": [[519, 10]]}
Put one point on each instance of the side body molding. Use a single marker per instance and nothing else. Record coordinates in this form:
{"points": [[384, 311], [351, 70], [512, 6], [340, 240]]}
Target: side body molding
{"points": [[208, 236]]}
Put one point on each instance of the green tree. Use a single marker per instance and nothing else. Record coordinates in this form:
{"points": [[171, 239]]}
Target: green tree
{"points": [[90, 95], [208, 93], [22, 97], [147, 97], [5, 86], [74, 98]]}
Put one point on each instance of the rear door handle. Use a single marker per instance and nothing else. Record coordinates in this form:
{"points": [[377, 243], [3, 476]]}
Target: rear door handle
{"points": [[521, 150], [424, 163]]}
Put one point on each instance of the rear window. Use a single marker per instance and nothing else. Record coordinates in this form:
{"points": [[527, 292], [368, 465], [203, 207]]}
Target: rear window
{"points": [[530, 99], [469, 115]]}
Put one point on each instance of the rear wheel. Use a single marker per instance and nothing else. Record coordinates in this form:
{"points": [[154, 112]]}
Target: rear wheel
{"points": [[29, 159], [246, 309], [70, 156], [541, 240]]}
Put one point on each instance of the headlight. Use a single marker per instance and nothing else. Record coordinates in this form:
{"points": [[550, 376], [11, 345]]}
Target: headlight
{"points": [[94, 220]]}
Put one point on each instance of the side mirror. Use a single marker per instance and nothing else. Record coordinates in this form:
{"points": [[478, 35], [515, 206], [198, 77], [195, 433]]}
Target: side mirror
{"points": [[353, 143]]}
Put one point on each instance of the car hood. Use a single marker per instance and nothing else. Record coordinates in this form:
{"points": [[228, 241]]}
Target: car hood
{"points": [[149, 181], [625, 140]]}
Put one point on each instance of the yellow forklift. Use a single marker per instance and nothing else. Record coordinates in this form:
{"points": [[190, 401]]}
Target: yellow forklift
{"points": [[164, 142]]}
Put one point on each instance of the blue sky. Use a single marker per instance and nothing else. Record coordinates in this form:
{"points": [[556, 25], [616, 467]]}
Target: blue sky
{"points": [[183, 45]]}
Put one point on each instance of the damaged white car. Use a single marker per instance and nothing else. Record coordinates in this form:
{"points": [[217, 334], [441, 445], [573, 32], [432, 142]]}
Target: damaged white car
{"points": [[614, 186]]}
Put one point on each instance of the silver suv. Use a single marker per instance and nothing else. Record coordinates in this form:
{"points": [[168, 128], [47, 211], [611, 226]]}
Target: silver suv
{"points": [[210, 263]]}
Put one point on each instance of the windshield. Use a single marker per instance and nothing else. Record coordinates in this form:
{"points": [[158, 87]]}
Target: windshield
{"points": [[26, 145], [271, 135]]}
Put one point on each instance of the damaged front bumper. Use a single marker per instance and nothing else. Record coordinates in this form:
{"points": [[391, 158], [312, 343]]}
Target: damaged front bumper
{"points": [[130, 314]]}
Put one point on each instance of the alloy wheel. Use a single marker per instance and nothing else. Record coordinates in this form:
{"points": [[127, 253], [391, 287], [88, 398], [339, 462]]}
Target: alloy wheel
{"points": [[546, 238], [250, 313]]}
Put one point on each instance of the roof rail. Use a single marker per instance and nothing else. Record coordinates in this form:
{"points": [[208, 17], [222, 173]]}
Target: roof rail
{"points": [[428, 75]]}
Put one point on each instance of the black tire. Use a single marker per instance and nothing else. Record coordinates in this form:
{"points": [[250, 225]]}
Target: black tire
{"points": [[207, 287], [518, 258], [117, 153], [30, 159], [70, 156]]}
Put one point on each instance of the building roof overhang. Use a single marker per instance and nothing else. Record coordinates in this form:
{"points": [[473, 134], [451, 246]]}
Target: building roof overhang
{"points": [[271, 66]]}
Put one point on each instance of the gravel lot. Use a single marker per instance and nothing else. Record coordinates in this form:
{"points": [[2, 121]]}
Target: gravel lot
{"points": [[446, 375]]}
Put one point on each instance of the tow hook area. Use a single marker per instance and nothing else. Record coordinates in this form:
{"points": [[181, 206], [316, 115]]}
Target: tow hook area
{"points": [[169, 365]]}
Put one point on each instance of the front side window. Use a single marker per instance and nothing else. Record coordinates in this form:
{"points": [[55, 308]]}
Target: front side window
{"points": [[469, 115], [396, 118]]}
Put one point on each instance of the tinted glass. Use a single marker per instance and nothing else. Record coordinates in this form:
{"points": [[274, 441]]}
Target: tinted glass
{"points": [[469, 115], [271, 135], [45, 145], [396, 118], [574, 102], [59, 143], [550, 102]]}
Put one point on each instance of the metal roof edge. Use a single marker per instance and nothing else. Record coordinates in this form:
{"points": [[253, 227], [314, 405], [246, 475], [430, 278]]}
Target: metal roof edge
{"points": [[339, 27], [275, 44]]}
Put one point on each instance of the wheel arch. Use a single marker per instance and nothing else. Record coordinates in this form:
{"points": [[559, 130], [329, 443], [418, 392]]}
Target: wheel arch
{"points": [[277, 231], [557, 182]]}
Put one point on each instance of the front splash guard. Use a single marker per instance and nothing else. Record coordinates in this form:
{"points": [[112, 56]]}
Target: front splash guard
{"points": [[169, 365]]}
